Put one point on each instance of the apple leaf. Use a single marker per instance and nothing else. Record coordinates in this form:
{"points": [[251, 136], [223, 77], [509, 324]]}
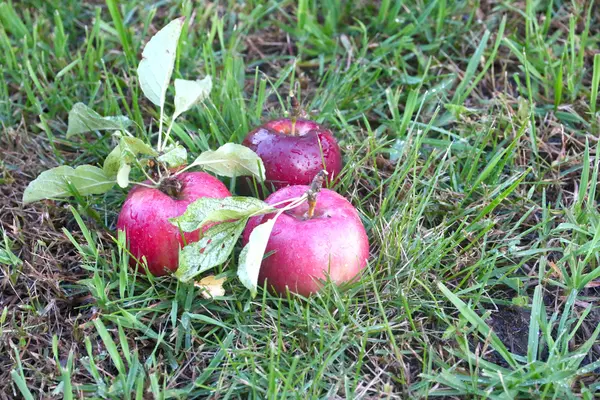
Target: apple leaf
{"points": [[206, 210], [131, 147], [232, 160], [158, 59], [112, 162], [174, 156], [252, 254], [189, 93], [54, 183], [211, 286], [83, 119], [116, 164], [123, 175], [213, 249]]}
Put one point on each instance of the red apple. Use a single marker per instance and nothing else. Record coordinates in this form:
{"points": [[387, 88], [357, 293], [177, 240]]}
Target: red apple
{"points": [[294, 158], [332, 243], [146, 212]]}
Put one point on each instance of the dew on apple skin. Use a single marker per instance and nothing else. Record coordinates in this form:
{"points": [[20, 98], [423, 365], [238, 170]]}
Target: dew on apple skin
{"points": [[292, 160], [144, 217]]}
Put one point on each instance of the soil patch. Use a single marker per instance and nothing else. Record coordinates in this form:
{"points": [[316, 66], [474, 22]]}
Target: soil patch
{"points": [[33, 289]]}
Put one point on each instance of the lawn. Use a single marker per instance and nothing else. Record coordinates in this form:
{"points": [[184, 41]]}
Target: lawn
{"points": [[469, 131]]}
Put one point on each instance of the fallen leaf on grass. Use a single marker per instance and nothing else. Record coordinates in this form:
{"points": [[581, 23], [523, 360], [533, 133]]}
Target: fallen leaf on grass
{"points": [[211, 286]]}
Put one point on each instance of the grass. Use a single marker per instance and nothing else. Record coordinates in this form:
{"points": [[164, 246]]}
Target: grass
{"points": [[470, 137]]}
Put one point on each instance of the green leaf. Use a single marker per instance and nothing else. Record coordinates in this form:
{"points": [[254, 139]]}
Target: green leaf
{"points": [[53, 184], [206, 210], [112, 162], [232, 160], [213, 249], [123, 175], [131, 147], [83, 119], [174, 156], [189, 93], [252, 255], [116, 164], [158, 59]]}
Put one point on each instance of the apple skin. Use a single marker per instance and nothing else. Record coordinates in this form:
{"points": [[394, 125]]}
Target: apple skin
{"points": [[333, 242], [294, 159], [145, 219]]}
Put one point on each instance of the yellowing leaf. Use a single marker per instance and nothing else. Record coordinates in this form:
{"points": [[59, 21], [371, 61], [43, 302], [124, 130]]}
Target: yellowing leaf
{"points": [[174, 156], [158, 59], [189, 93], [252, 255], [211, 286], [112, 162], [232, 160], [123, 175], [54, 183]]}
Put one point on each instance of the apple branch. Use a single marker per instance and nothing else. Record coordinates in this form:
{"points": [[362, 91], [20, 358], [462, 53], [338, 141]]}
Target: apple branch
{"points": [[139, 164], [160, 127], [167, 135]]}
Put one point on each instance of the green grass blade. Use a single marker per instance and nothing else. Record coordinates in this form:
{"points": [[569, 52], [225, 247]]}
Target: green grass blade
{"points": [[21, 384], [479, 324], [533, 341]]}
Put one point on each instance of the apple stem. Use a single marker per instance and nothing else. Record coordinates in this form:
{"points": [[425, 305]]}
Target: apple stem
{"points": [[296, 109], [294, 115], [311, 193]]}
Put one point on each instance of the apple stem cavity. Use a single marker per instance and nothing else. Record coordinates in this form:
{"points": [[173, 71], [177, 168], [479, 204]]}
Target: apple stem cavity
{"points": [[311, 193], [171, 187]]}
